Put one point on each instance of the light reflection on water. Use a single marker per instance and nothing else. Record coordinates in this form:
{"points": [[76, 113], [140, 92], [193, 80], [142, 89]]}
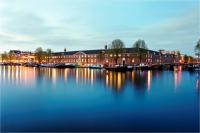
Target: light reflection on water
{"points": [[17, 75], [26, 76]]}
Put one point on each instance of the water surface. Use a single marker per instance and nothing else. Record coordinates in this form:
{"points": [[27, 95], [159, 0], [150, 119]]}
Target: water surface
{"points": [[50, 99]]}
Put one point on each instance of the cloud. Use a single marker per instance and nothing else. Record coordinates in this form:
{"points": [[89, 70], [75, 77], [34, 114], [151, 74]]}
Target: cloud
{"points": [[86, 24]]}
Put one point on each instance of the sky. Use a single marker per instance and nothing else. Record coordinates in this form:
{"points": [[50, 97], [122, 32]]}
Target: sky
{"points": [[91, 24]]}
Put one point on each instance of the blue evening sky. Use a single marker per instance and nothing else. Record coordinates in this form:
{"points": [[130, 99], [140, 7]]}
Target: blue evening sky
{"points": [[91, 24]]}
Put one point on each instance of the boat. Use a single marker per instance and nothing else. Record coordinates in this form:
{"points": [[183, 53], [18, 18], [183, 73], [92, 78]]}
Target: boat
{"points": [[130, 68], [144, 67], [62, 65], [67, 65], [96, 66], [31, 65], [47, 65], [4, 64], [193, 67], [118, 68]]}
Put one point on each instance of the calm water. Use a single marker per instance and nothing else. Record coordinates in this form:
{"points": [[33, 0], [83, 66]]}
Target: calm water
{"points": [[48, 99]]}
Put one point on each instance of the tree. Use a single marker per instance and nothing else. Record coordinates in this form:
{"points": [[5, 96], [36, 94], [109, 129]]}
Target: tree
{"points": [[190, 59], [4, 56], [116, 49], [179, 55], [48, 54], [197, 49], [10, 56], [186, 58], [138, 45], [39, 54]]}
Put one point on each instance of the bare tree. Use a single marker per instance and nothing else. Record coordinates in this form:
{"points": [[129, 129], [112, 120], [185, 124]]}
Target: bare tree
{"points": [[197, 49], [116, 49], [49, 54], [4, 56], [39, 54], [138, 45]]}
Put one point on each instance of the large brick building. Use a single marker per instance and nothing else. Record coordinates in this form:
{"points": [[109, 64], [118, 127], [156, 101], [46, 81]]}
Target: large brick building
{"points": [[130, 56]]}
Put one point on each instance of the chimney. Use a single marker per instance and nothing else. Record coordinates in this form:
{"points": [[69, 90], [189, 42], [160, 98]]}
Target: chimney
{"points": [[106, 47]]}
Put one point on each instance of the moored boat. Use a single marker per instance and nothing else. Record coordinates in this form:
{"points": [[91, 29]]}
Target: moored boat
{"points": [[118, 68], [144, 67], [47, 65], [70, 65], [193, 67], [96, 66], [62, 65]]}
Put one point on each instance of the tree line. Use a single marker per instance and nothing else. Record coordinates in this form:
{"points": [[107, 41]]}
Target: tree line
{"points": [[40, 55]]}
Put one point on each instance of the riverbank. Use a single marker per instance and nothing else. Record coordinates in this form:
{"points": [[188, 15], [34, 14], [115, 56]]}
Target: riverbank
{"points": [[120, 68]]}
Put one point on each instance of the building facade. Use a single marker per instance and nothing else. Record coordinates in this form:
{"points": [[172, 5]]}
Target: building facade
{"points": [[130, 56]]}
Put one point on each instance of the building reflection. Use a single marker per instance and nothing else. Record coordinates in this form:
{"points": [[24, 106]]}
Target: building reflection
{"points": [[149, 78], [197, 84], [115, 80], [177, 78], [139, 81], [17, 75]]}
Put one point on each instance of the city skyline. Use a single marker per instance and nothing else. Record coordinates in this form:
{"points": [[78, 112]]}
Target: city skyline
{"points": [[86, 24]]}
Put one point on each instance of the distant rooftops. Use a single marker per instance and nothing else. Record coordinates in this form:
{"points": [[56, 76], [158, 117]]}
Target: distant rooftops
{"points": [[98, 51]]}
